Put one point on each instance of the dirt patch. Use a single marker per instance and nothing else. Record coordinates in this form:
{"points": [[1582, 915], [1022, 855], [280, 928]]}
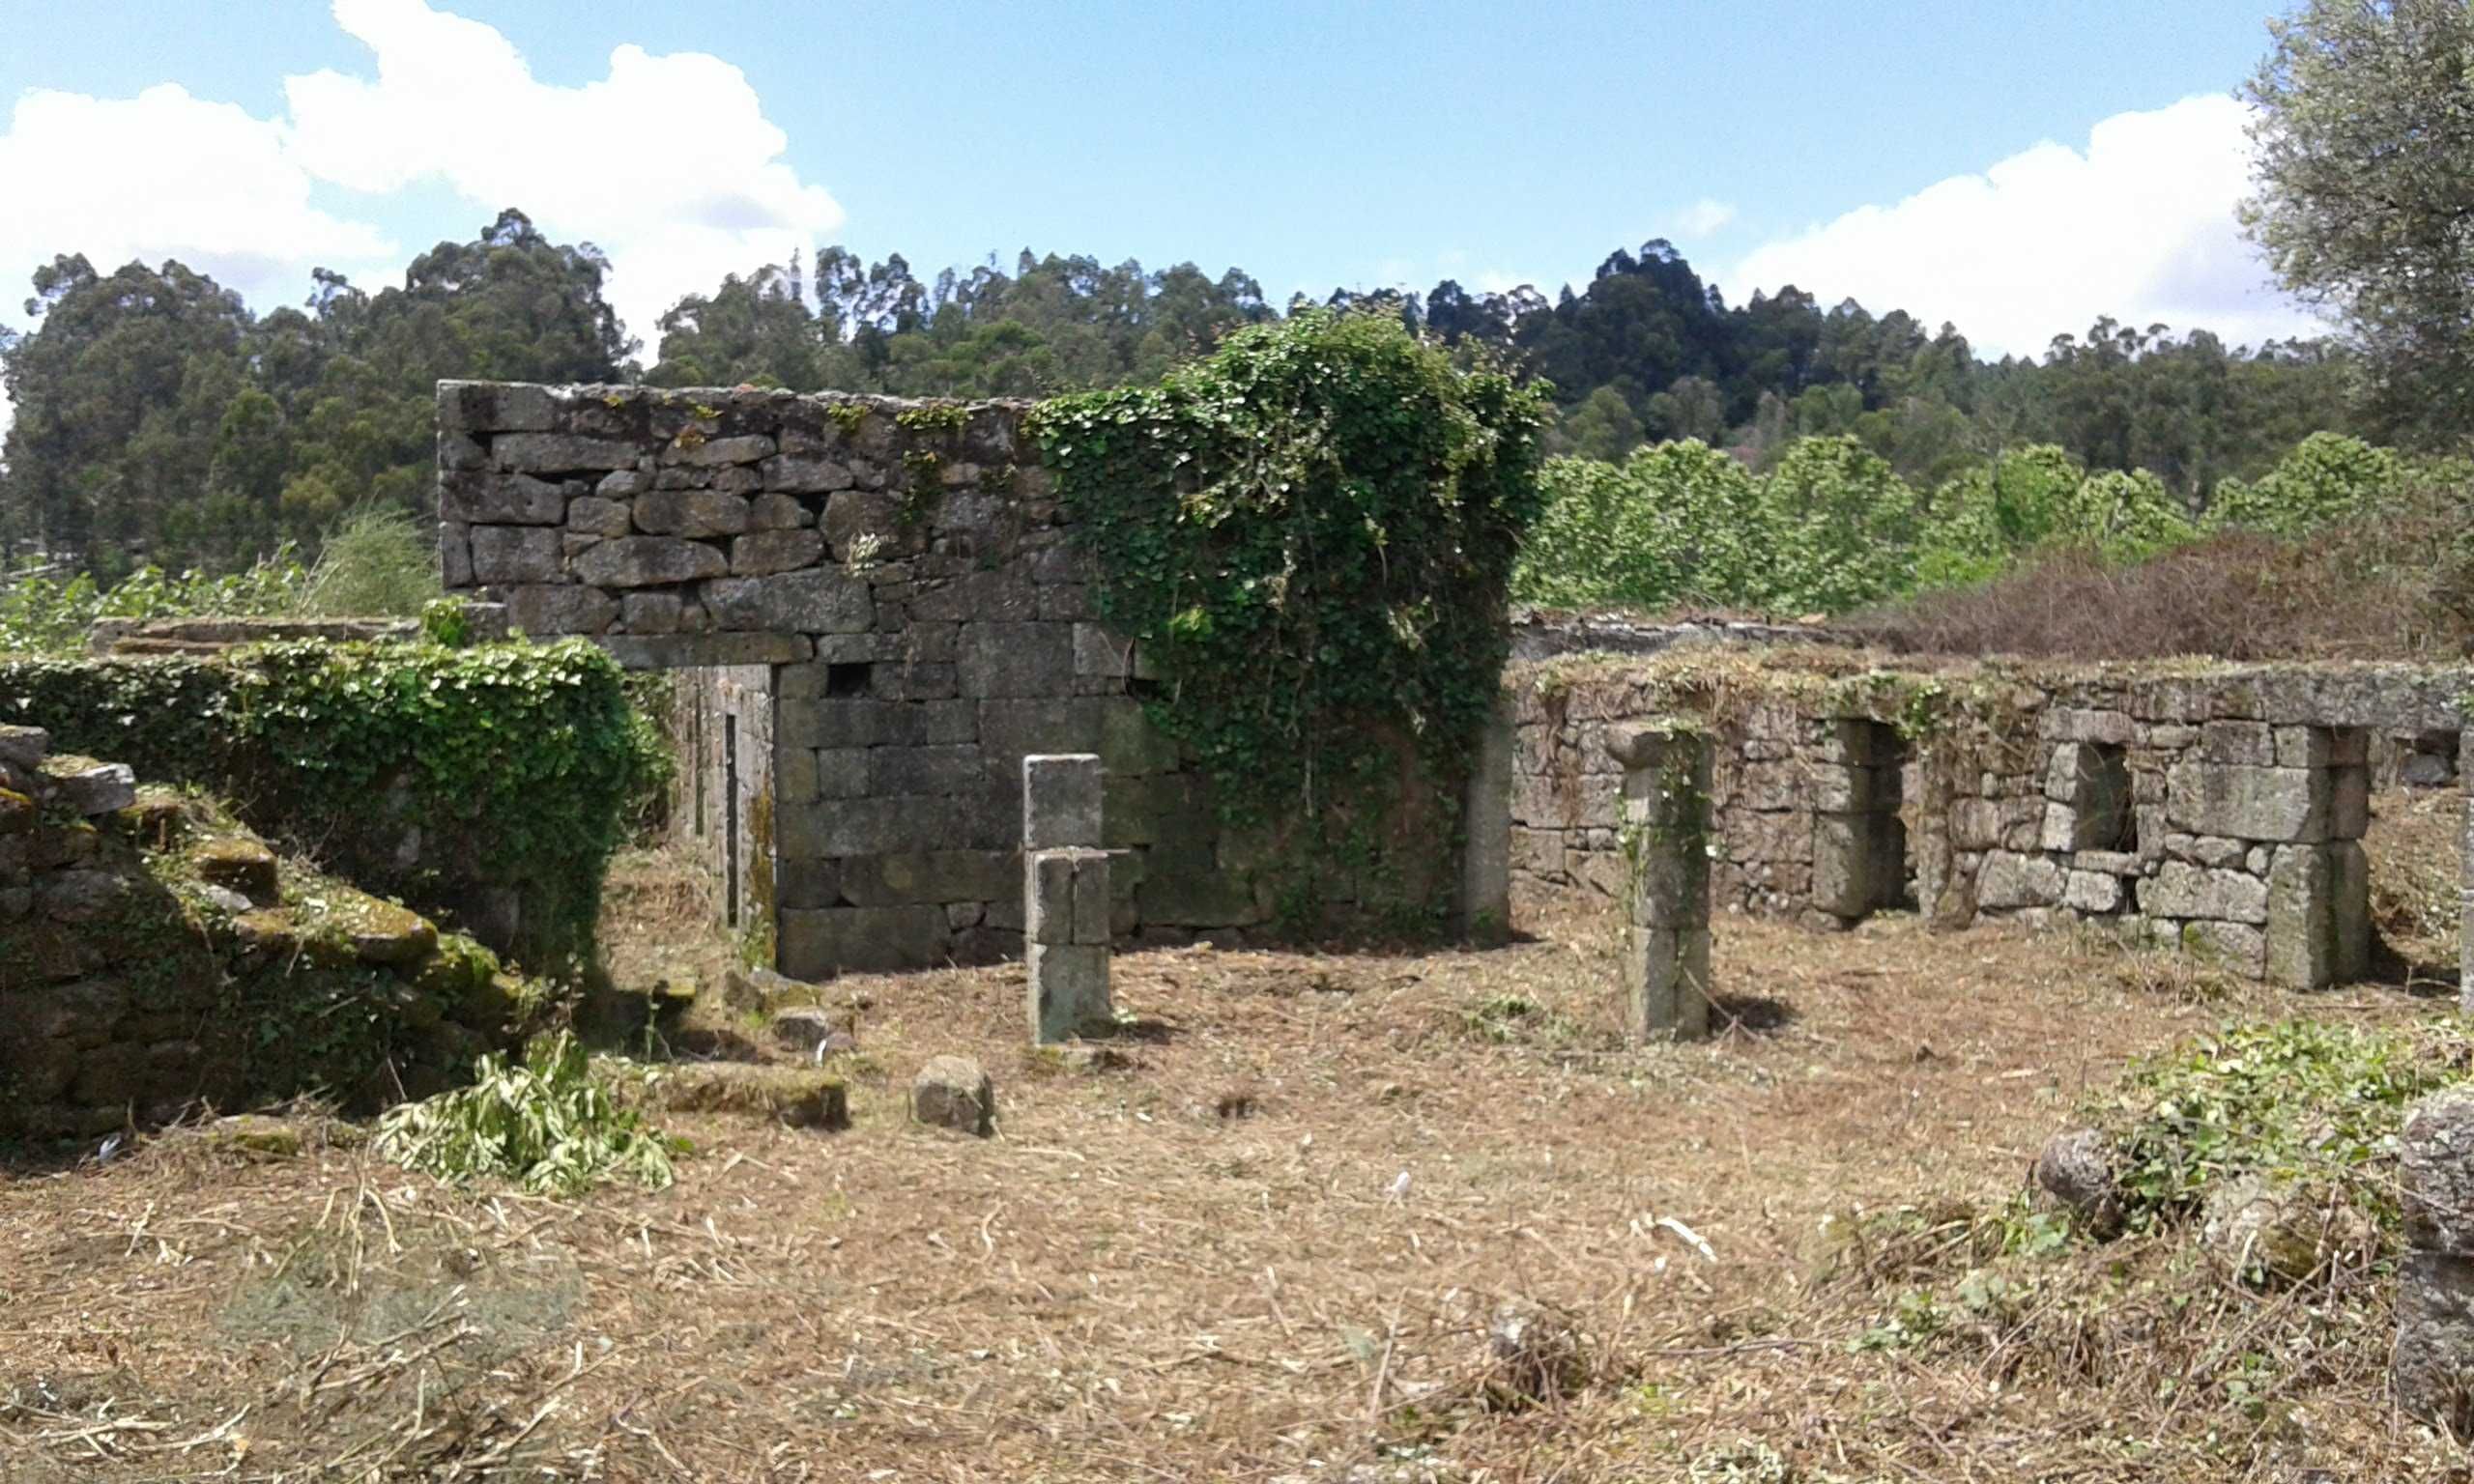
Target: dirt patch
{"points": [[1279, 1237]]}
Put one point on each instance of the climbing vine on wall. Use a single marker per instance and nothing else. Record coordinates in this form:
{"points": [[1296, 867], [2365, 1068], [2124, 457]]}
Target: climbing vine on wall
{"points": [[1309, 534], [419, 768]]}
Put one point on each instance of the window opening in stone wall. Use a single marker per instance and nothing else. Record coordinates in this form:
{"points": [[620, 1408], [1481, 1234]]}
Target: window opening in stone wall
{"points": [[847, 682], [2430, 761], [730, 814], [2107, 819], [1860, 857]]}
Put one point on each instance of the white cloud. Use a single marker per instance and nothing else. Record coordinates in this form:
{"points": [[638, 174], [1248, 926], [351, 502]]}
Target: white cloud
{"points": [[2139, 226], [1704, 216], [163, 175], [668, 164]]}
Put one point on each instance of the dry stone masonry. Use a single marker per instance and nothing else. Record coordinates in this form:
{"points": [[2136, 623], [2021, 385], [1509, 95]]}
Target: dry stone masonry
{"points": [[2433, 1367], [1666, 835], [2220, 810], [1065, 891], [891, 597]]}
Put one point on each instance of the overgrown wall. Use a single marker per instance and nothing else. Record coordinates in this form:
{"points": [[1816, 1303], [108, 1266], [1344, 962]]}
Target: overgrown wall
{"points": [[488, 785], [2219, 809], [904, 573], [155, 956]]}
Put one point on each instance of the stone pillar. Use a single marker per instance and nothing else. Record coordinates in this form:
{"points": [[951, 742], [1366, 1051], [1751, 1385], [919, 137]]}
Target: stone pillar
{"points": [[2318, 927], [1666, 906], [2465, 875], [2434, 1364], [1486, 820], [1065, 890]]}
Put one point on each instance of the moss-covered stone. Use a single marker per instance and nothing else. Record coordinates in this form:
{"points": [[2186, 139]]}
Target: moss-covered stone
{"points": [[238, 863]]}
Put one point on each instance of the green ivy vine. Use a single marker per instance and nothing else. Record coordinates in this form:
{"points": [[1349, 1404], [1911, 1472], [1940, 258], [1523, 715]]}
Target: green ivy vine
{"points": [[1311, 533], [516, 764]]}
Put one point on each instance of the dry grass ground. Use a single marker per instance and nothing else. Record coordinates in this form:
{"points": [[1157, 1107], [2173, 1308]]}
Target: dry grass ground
{"points": [[1268, 1245]]}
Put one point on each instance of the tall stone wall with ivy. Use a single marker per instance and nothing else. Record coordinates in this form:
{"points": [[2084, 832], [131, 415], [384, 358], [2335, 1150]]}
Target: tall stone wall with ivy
{"points": [[2216, 809], [887, 590]]}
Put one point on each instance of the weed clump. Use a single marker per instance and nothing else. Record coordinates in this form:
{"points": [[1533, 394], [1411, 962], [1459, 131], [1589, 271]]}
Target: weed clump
{"points": [[2298, 1103], [551, 1124]]}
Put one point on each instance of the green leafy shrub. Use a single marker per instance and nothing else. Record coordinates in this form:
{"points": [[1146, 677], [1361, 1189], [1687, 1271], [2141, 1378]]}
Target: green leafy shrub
{"points": [[2297, 1100], [2326, 478], [1310, 534], [46, 615], [549, 1123], [516, 765]]}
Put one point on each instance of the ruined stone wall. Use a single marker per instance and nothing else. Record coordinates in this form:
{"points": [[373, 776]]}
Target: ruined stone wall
{"points": [[2219, 810], [155, 956], [901, 574]]}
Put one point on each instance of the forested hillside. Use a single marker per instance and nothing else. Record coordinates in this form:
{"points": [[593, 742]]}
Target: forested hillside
{"points": [[158, 420]]}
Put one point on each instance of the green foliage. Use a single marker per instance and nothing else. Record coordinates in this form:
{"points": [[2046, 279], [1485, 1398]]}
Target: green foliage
{"points": [[2297, 1100], [1309, 534], [516, 763], [551, 1124], [2327, 478], [2365, 174], [376, 562], [49, 616], [1675, 523]]}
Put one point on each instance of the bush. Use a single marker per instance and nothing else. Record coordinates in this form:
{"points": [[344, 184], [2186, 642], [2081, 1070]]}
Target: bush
{"points": [[376, 562], [2299, 1101], [551, 1124], [44, 615]]}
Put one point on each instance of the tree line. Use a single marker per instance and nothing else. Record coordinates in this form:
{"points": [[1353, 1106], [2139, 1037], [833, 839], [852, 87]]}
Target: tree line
{"points": [[158, 420]]}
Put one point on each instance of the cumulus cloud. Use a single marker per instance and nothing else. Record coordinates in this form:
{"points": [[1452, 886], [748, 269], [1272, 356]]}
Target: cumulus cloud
{"points": [[668, 164], [2139, 225], [164, 173]]}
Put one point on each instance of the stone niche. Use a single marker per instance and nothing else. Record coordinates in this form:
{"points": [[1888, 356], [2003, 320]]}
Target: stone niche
{"points": [[886, 615]]}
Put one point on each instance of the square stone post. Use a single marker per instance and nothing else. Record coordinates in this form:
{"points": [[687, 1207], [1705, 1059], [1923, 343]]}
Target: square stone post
{"points": [[1666, 895], [1485, 821], [1065, 890], [2465, 875]]}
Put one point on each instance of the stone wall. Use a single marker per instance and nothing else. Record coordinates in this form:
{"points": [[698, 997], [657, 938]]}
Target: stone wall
{"points": [[2220, 810], [904, 575], [155, 956]]}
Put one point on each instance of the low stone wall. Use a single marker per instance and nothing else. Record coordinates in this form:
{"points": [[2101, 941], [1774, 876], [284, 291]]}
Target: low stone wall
{"points": [[904, 579], [2217, 808], [155, 956]]}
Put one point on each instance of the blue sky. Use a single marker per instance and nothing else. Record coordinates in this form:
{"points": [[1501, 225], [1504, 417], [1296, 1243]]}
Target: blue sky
{"points": [[2015, 168]]}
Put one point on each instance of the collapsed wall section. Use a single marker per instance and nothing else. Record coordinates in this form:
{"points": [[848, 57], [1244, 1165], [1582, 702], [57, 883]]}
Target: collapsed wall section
{"points": [[902, 578], [2219, 810]]}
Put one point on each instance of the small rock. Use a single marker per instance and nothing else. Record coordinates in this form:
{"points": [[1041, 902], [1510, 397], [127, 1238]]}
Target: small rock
{"points": [[238, 863], [2271, 1230], [804, 1028], [953, 1091], [255, 1134], [86, 787], [224, 899], [746, 988], [2076, 1169], [24, 747]]}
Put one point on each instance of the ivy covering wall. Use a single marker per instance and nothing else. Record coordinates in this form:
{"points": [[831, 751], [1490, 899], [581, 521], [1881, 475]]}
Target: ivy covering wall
{"points": [[1309, 535], [447, 777]]}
